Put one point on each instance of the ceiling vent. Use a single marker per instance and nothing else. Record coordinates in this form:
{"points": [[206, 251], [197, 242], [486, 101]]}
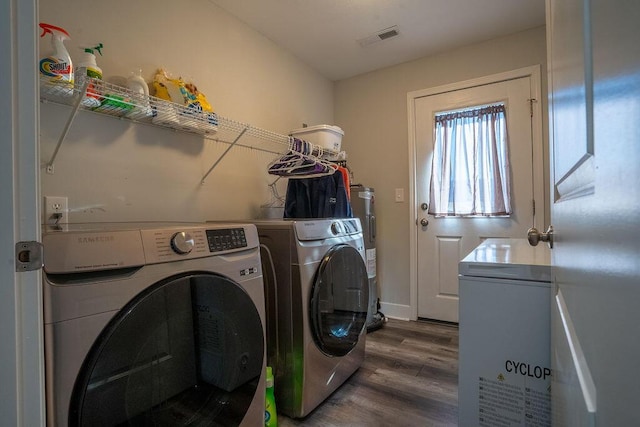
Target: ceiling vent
{"points": [[381, 35]]}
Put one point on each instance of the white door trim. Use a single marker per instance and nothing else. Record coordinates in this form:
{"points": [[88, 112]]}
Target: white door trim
{"points": [[21, 348], [538, 179]]}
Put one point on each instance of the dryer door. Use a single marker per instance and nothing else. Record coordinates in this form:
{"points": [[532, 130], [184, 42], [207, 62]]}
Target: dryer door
{"points": [[186, 351], [339, 300]]}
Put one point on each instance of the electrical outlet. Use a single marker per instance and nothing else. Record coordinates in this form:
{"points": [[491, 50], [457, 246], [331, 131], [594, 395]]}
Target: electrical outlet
{"points": [[56, 210]]}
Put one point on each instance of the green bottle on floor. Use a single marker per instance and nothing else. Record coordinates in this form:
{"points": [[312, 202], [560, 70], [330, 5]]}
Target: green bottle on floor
{"points": [[270, 415]]}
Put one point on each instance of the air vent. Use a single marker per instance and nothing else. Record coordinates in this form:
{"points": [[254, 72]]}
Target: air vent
{"points": [[388, 34], [381, 35]]}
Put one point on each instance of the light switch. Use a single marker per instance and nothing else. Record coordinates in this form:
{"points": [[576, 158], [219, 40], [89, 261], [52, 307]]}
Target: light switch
{"points": [[399, 195]]}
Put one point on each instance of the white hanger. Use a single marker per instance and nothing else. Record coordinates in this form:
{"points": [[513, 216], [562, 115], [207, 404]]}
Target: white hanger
{"points": [[299, 163]]}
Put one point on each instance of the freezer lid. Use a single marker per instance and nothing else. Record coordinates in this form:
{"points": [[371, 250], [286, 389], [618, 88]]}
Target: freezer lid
{"points": [[509, 259]]}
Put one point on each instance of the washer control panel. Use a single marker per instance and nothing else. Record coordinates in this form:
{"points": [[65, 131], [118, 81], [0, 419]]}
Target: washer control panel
{"points": [[107, 246], [162, 245], [224, 239], [182, 243]]}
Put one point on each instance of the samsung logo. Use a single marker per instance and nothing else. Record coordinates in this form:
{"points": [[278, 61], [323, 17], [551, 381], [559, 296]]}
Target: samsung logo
{"points": [[95, 239]]}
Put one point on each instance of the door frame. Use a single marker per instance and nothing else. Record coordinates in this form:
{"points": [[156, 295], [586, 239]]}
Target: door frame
{"points": [[22, 349], [533, 72]]}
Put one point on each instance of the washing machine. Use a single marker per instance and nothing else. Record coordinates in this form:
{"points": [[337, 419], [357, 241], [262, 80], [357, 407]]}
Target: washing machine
{"points": [[317, 294], [154, 324]]}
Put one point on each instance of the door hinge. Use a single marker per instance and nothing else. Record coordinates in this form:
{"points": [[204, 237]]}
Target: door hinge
{"points": [[531, 101], [28, 256]]}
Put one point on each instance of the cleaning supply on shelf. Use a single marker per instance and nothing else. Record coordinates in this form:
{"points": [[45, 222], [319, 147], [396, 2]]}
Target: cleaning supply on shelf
{"points": [[191, 118], [197, 96], [187, 110], [87, 71], [140, 95], [165, 114], [115, 104], [167, 88], [270, 415], [57, 69], [198, 101]]}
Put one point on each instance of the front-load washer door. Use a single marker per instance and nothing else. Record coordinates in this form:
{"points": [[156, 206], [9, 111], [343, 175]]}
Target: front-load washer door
{"points": [[339, 300], [187, 351]]}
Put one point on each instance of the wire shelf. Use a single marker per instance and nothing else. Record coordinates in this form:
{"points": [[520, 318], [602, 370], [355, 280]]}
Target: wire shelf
{"points": [[110, 99], [107, 98]]}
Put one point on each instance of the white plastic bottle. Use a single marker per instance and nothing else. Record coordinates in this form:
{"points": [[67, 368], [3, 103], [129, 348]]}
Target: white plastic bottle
{"points": [[140, 90], [56, 69], [87, 69]]}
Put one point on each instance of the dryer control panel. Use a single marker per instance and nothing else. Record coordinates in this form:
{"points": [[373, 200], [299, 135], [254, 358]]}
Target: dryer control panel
{"points": [[320, 229]]}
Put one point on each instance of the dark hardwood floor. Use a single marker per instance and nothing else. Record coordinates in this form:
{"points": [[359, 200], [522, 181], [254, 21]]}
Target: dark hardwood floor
{"points": [[409, 378]]}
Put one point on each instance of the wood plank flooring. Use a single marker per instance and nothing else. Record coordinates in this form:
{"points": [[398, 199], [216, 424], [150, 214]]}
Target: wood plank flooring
{"points": [[409, 378]]}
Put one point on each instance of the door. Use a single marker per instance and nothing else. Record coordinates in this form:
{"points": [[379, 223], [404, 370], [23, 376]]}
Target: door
{"points": [[594, 100], [446, 240], [339, 300], [21, 352], [186, 351]]}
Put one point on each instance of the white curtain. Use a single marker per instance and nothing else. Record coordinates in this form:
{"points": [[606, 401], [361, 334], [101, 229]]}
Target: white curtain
{"points": [[470, 174]]}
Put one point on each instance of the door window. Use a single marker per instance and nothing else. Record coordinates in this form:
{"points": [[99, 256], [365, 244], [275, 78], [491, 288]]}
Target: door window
{"points": [[339, 301], [188, 350], [470, 174]]}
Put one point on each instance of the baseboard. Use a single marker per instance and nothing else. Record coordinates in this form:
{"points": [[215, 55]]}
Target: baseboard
{"points": [[395, 311]]}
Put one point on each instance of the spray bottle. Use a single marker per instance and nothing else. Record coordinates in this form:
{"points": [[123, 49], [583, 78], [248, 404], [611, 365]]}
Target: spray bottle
{"points": [[57, 69], [87, 69], [270, 414]]}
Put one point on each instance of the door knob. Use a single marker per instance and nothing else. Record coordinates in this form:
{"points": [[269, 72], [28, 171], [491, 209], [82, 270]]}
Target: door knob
{"points": [[424, 222], [534, 236]]}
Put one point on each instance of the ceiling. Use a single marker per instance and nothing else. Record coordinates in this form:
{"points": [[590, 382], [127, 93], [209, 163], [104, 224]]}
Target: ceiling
{"points": [[325, 34]]}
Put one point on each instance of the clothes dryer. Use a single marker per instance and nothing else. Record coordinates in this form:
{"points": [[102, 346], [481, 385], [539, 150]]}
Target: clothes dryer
{"points": [[154, 324], [317, 295]]}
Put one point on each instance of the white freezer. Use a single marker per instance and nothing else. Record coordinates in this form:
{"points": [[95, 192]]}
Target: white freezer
{"points": [[508, 259], [504, 361]]}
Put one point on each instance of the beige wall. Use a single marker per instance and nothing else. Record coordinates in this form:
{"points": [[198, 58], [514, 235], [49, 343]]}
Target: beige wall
{"points": [[372, 111], [113, 170]]}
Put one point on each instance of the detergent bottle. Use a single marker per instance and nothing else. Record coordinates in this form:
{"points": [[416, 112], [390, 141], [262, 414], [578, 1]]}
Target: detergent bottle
{"points": [[86, 70], [140, 91], [56, 69], [270, 415]]}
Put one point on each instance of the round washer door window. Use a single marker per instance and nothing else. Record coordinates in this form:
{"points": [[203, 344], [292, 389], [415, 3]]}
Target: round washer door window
{"points": [[186, 351], [339, 300]]}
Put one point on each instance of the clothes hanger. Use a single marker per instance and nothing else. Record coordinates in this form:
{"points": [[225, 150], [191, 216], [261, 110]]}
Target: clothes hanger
{"points": [[301, 167], [299, 162]]}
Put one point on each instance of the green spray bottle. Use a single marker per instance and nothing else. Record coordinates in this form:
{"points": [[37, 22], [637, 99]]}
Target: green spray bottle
{"points": [[270, 415], [87, 69]]}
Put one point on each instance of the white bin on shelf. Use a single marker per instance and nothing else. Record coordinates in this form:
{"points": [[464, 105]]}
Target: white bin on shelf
{"points": [[326, 136]]}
